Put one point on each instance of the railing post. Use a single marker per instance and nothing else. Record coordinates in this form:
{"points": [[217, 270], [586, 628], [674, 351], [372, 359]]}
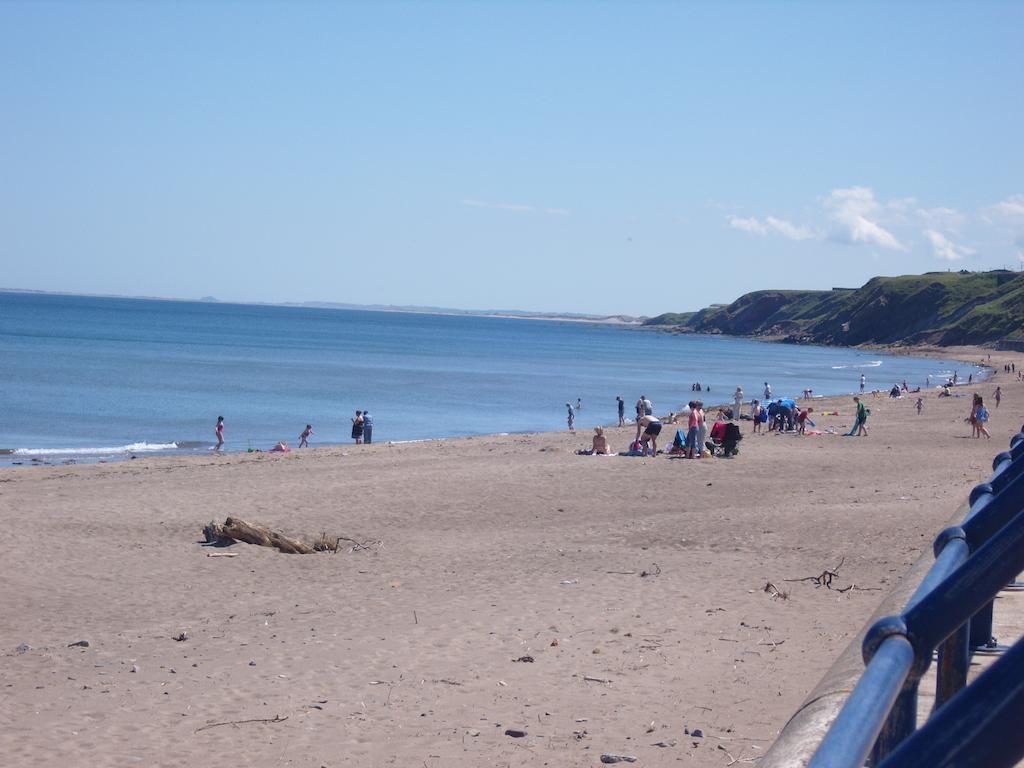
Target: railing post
{"points": [[954, 661], [981, 628], [954, 653], [900, 724]]}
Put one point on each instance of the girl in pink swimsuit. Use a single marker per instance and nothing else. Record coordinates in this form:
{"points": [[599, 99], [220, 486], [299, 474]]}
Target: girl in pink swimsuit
{"points": [[219, 432]]}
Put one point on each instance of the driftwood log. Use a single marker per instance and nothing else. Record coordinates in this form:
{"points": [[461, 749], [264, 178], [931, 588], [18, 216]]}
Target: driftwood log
{"points": [[239, 530]]}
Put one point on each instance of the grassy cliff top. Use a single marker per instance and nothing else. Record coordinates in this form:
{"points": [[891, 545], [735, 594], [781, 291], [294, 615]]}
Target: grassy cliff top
{"points": [[944, 308]]}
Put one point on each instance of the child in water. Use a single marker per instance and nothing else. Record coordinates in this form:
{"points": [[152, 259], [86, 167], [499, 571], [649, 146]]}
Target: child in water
{"points": [[304, 437], [219, 432]]}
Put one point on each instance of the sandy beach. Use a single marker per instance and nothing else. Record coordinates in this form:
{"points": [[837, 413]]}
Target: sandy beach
{"points": [[597, 604]]}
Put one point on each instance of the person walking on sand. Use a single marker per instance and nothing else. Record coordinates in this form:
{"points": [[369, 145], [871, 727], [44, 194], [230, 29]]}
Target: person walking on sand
{"points": [[622, 410], [976, 403], [919, 405], [755, 414], [304, 437], [998, 395], [367, 427], [858, 427], [651, 428], [981, 419], [571, 416], [219, 432], [737, 402], [357, 428]]}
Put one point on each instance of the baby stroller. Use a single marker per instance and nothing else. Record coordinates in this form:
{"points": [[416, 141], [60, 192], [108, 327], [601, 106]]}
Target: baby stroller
{"points": [[732, 436]]}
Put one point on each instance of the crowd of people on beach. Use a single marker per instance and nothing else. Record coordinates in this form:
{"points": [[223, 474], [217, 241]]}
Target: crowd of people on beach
{"points": [[767, 415], [780, 415]]}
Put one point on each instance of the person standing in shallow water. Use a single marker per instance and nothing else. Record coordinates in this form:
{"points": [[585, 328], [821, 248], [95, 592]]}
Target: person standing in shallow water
{"points": [[357, 427], [622, 410], [219, 432], [367, 427], [570, 416]]}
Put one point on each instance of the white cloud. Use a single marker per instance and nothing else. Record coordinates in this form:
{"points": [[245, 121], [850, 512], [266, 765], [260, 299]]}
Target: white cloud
{"points": [[1010, 208], [751, 225], [949, 219], [790, 230], [772, 224], [515, 207], [855, 210], [944, 248]]}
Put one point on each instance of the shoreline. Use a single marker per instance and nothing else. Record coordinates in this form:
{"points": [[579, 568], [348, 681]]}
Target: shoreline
{"points": [[9, 458]]}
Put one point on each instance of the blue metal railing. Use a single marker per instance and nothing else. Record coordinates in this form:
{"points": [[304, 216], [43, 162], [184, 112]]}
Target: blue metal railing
{"points": [[951, 612]]}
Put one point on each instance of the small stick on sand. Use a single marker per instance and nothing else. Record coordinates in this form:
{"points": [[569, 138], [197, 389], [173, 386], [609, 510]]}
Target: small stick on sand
{"points": [[825, 578], [274, 719], [774, 591]]}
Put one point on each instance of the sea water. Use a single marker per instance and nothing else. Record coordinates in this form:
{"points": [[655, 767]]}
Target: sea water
{"points": [[93, 378]]}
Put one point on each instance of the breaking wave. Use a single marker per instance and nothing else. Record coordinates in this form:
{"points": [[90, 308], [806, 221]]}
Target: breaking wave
{"points": [[131, 448], [866, 364]]}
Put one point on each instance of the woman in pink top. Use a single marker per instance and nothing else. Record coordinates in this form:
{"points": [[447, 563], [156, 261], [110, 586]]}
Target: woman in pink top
{"points": [[219, 432]]}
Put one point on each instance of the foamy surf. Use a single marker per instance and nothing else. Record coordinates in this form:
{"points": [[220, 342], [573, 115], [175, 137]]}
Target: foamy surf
{"points": [[130, 448], [867, 364]]}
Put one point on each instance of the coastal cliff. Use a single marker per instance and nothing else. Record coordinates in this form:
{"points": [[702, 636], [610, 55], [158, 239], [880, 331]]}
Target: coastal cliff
{"points": [[940, 308]]}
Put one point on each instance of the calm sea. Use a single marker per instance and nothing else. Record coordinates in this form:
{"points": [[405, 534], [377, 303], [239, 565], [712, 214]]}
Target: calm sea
{"points": [[94, 378]]}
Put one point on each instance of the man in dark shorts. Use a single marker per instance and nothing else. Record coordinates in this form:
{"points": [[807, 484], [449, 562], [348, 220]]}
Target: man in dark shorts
{"points": [[650, 428], [622, 410], [367, 427]]}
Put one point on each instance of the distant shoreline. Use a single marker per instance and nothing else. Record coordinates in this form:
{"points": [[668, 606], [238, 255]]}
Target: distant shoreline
{"points": [[566, 317]]}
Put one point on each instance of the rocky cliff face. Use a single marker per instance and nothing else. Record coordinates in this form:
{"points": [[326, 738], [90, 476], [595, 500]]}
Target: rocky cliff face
{"points": [[942, 308]]}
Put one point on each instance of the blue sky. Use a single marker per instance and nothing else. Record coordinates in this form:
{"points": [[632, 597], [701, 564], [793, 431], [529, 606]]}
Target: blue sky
{"points": [[616, 157]]}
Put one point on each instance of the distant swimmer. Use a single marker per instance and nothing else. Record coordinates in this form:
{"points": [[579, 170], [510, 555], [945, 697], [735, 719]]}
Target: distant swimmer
{"points": [[219, 432], [304, 437]]}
